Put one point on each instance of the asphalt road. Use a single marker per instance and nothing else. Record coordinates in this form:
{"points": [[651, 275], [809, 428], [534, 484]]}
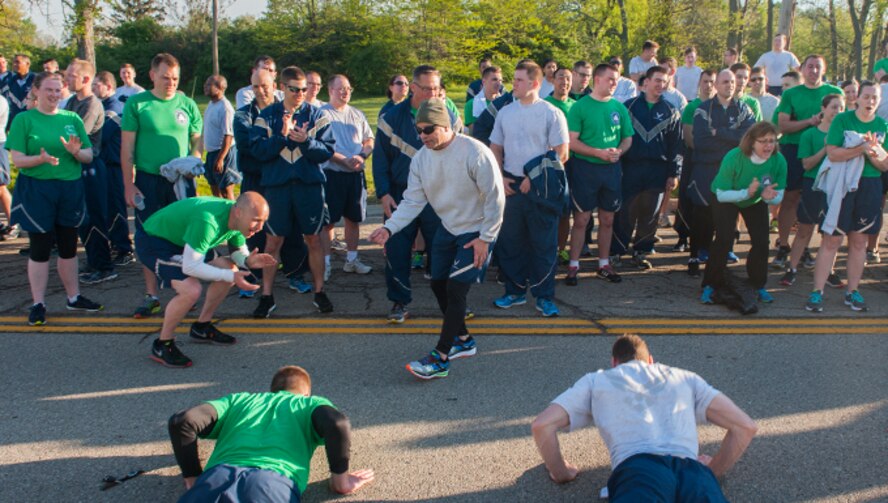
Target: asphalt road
{"points": [[84, 401]]}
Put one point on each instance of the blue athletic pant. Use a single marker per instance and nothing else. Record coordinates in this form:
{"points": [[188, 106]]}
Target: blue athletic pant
{"points": [[226, 483], [528, 245], [94, 231], [398, 251], [118, 226], [639, 215], [663, 479]]}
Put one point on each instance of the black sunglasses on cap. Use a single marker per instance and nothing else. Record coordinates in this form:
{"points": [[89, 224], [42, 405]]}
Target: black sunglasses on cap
{"points": [[425, 130]]}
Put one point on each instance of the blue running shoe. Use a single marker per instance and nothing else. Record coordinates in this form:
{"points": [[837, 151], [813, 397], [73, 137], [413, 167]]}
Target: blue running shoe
{"points": [[300, 285], [855, 301], [763, 296], [547, 307], [703, 256], [429, 367], [246, 294], [733, 258], [815, 302], [507, 301], [706, 297], [462, 348]]}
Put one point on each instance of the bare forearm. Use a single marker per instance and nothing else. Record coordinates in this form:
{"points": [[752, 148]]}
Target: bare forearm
{"points": [[732, 447], [841, 154], [546, 440], [226, 146], [127, 161], [787, 125], [196, 145]]}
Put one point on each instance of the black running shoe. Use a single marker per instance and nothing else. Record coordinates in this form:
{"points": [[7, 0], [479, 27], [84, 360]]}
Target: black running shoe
{"points": [[266, 307], [323, 303], [693, 267], [37, 316], [211, 335], [167, 353], [84, 304], [123, 259]]}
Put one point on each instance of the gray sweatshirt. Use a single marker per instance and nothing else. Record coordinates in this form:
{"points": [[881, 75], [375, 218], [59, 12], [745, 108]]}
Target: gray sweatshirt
{"points": [[463, 184]]}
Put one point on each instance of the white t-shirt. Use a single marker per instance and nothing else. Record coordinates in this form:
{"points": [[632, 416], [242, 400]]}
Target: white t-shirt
{"points": [[479, 104], [350, 130], [638, 65], [546, 88], [4, 118], [882, 111], [218, 123], [626, 90], [675, 99], [246, 95], [640, 408], [527, 131], [776, 64], [768, 103], [687, 80]]}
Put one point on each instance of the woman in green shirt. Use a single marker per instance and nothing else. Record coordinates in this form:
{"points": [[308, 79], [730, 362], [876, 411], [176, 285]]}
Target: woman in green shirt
{"points": [[750, 177], [48, 146]]}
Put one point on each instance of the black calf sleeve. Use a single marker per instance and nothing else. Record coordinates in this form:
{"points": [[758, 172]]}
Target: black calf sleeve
{"points": [[455, 316], [41, 246], [66, 237]]}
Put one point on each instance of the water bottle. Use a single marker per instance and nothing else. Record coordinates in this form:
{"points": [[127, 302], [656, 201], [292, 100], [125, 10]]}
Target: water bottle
{"points": [[139, 201]]}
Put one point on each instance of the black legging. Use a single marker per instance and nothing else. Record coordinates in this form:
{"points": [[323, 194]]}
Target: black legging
{"points": [[757, 219], [451, 297], [702, 228], [40, 243]]}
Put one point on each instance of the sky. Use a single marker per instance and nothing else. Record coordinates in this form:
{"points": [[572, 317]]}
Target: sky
{"points": [[50, 26]]}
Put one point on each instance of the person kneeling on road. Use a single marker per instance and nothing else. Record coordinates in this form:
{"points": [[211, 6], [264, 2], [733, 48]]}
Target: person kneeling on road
{"points": [[177, 243], [264, 443]]}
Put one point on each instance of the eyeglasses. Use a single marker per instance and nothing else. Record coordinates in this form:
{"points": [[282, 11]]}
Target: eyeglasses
{"points": [[756, 79], [425, 130], [400, 83], [294, 89], [770, 141], [433, 90]]}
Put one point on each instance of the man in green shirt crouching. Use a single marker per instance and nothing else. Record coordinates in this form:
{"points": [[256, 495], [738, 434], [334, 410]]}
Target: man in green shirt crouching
{"points": [[264, 443], [177, 244]]}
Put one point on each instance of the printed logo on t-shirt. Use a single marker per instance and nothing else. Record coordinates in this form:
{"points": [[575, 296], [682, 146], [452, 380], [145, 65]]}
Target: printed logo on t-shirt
{"points": [[615, 118], [70, 130], [181, 117]]}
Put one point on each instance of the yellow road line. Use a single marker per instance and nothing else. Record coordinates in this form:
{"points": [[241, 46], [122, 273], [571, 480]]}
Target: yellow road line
{"points": [[742, 322]]}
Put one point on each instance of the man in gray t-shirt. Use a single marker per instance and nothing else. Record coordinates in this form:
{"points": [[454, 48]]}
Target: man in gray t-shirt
{"points": [[647, 414], [218, 136], [524, 130], [345, 189]]}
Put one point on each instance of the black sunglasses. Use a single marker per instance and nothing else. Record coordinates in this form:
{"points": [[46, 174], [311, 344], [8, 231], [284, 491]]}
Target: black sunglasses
{"points": [[294, 89], [425, 130], [399, 83]]}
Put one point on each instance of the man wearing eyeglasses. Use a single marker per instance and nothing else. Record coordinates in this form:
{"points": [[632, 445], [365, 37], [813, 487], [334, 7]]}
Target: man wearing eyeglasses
{"points": [[313, 80], [396, 143], [292, 139], [457, 177], [245, 95], [346, 189], [579, 83]]}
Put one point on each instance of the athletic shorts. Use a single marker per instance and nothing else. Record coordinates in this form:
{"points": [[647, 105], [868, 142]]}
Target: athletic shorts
{"points": [[346, 195], [41, 205], [163, 258], [296, 206], [4, 165], [237, 483], [649, 477], [595, 186], [794, 169], [159, 194], [452, 261], [812, 206], [229, 175], [862, 209]]}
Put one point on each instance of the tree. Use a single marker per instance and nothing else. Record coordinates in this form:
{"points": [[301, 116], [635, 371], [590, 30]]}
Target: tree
{"points": [[858, 23], [83, 27], [127, 11]]}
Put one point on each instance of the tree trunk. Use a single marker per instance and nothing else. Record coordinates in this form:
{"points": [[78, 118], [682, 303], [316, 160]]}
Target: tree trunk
{"points": [[771, 20], [833, 39], [785, 22], [624, 32], [215, 37], [858, 22], [84, 30], [733, 10]]}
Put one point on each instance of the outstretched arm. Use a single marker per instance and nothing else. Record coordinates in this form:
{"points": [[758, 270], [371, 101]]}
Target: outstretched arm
{"points": [[185, 426], [334, 428], [741, 428], [545, 434]]}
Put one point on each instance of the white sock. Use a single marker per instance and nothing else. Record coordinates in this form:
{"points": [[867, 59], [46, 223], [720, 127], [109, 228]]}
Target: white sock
{"points": [[73, 299], [603, 262], [327, 260], [351, 256], [575, 263]]}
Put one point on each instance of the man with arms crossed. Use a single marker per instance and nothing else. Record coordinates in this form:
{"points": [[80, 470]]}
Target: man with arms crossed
{"points": [[647, 414], [264, 443]]}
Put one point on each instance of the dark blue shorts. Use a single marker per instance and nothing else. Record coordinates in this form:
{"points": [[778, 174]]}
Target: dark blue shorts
{"points": [[296, 206], [862, 209], [595, 186], [649, 477], [41, 205], [223, 483], [163, 258], [229, 175], [4, 165], [812, 206], [158, 192], [346, 195], [794, 169], [452, 261]]}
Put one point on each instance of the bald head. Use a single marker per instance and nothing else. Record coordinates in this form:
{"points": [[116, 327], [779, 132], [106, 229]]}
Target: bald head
{"points": [[252, 202], [262, 83], [725, 84], [249, 214]]}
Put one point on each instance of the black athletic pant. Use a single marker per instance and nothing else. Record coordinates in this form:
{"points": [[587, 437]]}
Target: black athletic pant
{"points": [[702, 228], [451, 297], [757, 219]]}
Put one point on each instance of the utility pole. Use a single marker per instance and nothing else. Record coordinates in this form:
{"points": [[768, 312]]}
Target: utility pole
{"points": [[216, 37]]}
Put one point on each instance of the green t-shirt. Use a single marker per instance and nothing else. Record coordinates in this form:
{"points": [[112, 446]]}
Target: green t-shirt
{"points": [[802, 103], [199, 222], [848, 121], [272, 431], [467, 112], [737, 172], [163, 128], [564, 106], [812, 140], [687, 115], [881, 64], [33, 130], [451, 106], [601, 124], [753, 104]]}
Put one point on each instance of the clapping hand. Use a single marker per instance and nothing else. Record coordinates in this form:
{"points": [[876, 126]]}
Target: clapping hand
{"points": [[48, 159], [73, 145], [753, 187], [258, 260], [299, 134], [769, 192]]}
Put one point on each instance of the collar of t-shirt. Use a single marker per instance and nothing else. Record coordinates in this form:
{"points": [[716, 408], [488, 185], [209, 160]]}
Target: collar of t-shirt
{"points": [[756, 159]]}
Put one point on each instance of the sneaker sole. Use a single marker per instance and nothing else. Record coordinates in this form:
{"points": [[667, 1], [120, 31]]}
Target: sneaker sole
{"points": [[205, 340], [328, 310], [516, 303], [355, 271], [96, 282], [398, 321], [299, 290], [167, 365], [469, 316], [462, 354], [856, 308], [550, 315], [267, 315], [814, 309], [36, 324], [96, 310], [424, 377]]}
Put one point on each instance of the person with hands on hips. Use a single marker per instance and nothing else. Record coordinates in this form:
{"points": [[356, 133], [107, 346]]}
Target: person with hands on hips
{"points": [[460, 179]]}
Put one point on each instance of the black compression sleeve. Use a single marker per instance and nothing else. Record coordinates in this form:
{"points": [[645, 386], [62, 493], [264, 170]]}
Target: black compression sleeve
{"points": [[185, 426], [334, 427]]}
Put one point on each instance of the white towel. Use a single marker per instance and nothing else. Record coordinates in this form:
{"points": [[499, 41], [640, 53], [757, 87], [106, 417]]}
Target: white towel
{"points": [[837, 179], [179, 171]]}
